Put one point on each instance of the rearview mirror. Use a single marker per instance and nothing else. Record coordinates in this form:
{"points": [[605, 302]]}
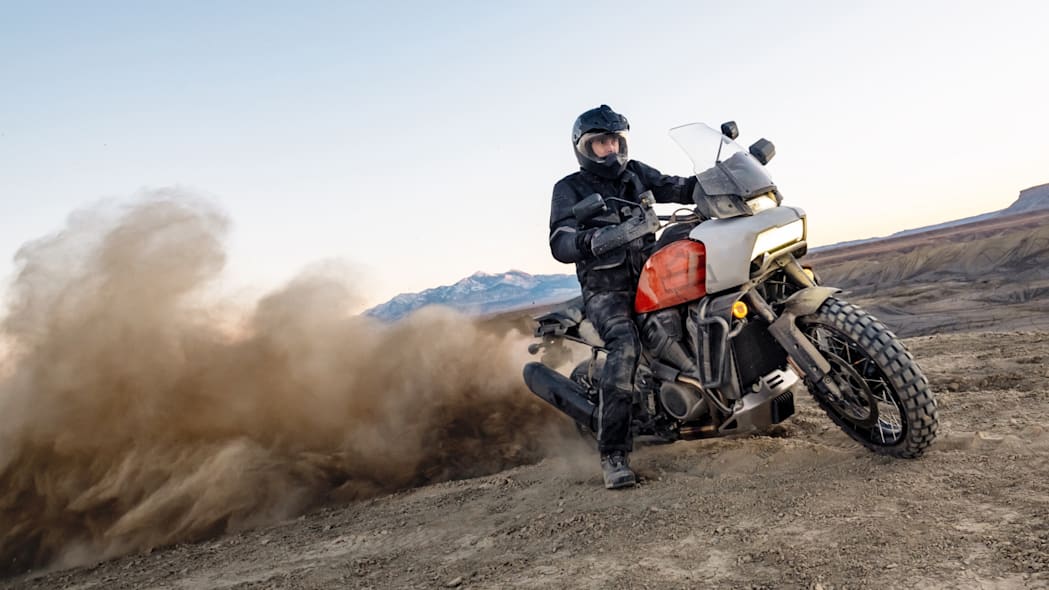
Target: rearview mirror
{"points": [[589, 207], [730, 130], [763, 150]]}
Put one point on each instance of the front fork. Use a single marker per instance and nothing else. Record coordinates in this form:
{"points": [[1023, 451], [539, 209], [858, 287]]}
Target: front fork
{"points": [[785, 330]]}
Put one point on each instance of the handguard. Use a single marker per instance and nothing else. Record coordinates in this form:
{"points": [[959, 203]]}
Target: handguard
{"points": [[607, 239]]}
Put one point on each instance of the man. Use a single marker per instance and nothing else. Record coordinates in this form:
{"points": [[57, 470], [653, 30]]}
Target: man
{"points": [[609, 280]]}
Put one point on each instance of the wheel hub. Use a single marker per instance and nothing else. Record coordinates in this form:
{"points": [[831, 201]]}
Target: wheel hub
{"points": [[857, 401]]}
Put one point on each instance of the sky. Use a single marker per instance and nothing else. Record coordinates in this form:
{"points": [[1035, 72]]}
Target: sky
{"points": [[419, 141]]}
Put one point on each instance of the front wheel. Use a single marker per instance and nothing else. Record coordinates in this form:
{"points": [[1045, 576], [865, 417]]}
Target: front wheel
{"points": [[884, 402]]}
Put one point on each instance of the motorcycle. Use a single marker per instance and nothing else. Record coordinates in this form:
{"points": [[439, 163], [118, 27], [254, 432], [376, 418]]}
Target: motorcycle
{"points": [[732, 324]]}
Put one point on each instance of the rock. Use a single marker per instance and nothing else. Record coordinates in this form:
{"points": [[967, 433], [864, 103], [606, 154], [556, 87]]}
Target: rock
{"points": [[454, 583], [1031, 199]]}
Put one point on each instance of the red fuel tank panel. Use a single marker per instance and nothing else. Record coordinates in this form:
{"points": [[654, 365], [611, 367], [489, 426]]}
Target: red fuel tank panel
{"points": [[675, 274]]}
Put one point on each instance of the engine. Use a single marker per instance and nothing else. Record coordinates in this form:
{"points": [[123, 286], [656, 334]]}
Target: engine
{"points": [[662, 334], [682, 401]]}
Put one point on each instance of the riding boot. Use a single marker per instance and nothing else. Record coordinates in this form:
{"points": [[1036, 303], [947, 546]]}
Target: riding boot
{"points": [[616, 469]]}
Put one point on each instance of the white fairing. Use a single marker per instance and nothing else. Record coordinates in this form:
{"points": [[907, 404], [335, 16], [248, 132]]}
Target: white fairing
{"points": [[730, 243]]}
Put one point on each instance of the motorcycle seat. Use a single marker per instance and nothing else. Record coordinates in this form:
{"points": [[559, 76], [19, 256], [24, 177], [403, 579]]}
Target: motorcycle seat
{"points": [[559, 321], [568, 320]]}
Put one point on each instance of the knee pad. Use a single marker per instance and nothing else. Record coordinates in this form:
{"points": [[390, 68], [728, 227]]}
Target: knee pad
{"points": [[624, 347], [622, 334]]}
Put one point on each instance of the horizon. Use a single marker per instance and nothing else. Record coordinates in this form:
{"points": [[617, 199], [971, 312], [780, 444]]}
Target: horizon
{"points": [[822, 249], [400, 138]]}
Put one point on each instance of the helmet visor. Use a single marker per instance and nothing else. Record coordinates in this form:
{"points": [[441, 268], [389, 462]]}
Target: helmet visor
{"points": [[598, 145]]}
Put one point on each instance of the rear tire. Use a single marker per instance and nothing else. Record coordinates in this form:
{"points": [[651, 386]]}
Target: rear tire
{"points": [[886, 404]]}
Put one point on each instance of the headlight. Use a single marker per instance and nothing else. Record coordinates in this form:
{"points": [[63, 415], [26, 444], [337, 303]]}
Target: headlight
{"points": [[777, 237], [759, 204]]}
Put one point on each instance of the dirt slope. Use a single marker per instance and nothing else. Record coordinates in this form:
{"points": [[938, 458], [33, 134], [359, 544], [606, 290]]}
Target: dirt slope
{"points": [[991, 275]]}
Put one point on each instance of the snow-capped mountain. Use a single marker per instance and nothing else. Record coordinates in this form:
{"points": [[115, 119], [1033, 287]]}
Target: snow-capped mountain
{"points": [[482, 293]]}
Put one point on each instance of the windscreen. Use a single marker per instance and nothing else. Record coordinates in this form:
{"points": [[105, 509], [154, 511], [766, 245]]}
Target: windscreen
{"points": [[722, 166]]}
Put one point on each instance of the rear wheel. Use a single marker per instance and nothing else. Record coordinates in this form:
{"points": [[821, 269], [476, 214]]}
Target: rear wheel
{"points": [[884, 402]]}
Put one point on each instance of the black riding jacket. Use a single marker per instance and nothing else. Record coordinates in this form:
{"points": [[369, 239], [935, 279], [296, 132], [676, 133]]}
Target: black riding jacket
{"points": [[618, 269]]}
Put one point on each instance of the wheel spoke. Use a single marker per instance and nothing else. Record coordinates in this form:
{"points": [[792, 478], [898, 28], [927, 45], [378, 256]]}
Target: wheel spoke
{"points": [[848, 352]]}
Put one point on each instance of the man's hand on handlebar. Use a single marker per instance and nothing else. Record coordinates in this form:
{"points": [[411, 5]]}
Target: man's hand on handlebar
{"points": [[606, 239]]}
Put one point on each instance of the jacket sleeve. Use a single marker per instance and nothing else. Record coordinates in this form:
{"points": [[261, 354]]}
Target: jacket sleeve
{"points": [[564, 232], [667, 189]]}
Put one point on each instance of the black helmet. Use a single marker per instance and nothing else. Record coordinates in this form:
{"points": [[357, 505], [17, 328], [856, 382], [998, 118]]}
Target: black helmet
{"points": [[592, 124]]}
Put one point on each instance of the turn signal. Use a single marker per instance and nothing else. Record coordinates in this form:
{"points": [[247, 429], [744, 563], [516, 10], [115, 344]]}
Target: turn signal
{"points": [[739, 310]]}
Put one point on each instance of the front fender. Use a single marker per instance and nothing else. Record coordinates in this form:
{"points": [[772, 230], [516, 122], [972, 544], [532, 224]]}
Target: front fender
{"points": [[806, 301]]}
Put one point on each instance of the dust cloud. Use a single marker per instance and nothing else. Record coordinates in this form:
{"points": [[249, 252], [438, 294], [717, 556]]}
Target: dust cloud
{"points": [[132, 415]]}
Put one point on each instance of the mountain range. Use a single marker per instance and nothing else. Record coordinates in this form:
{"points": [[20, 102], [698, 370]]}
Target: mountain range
{"points": [[485, 293]]}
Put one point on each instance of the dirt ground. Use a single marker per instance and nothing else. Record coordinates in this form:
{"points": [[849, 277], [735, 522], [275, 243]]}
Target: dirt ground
{"points": [[800, 507], [803, 508]]}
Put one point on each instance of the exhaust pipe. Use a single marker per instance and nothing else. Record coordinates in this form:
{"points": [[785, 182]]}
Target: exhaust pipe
{"points": [[562, 393]]}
